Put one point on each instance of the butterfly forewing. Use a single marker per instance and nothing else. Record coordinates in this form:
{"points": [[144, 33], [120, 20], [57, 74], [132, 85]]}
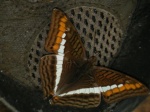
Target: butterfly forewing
{"points": [[116, 86], [63, 38]]}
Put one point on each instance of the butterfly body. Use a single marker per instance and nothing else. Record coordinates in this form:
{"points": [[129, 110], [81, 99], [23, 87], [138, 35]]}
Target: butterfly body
{"points": [[83, 70], [71, 79]]}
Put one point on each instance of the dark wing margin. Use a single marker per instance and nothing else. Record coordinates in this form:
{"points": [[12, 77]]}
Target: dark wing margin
{"points": [[116, 86]]}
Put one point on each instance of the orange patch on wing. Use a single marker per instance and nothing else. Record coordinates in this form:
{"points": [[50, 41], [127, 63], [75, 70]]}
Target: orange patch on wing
{"points": [[108, 93], [138, 85], [115, 90], [56, 47], [122, 88], [132, 86], [60, 33], [58, 40], [63, 19], [127, 86], [61, 28], [62, 24]]}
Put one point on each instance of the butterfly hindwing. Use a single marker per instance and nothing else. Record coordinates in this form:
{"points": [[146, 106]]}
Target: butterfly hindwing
{"points": [[50, 69], [117, 86]]}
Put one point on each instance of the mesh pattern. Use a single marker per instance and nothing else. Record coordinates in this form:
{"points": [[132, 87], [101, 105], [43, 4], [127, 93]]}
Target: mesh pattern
{"points": [[37, 51]]}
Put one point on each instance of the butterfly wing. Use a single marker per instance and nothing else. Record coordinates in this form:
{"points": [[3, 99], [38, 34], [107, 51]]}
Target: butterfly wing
{"points": [[116, 86], [63, 38], [48, 72]]}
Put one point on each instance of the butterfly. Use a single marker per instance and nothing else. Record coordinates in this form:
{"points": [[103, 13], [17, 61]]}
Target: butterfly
{"points": [[70, 79]]}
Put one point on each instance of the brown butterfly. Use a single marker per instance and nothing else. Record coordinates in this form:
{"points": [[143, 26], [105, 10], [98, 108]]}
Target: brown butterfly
{"points": [[72, 80]]}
